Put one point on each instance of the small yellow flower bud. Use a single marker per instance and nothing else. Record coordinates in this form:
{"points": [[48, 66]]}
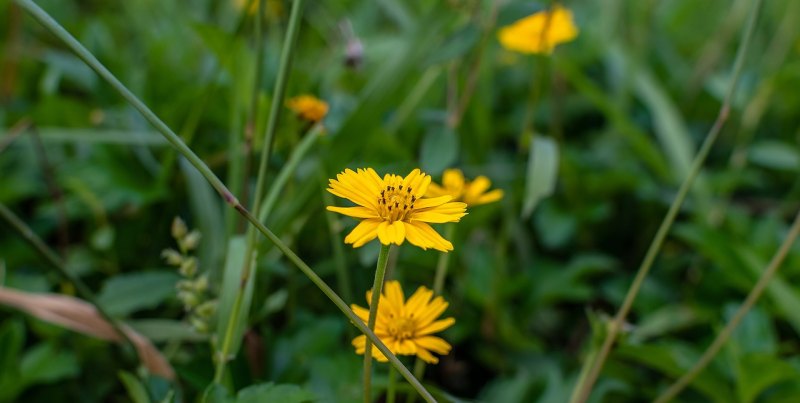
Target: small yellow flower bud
{"points": [[206, 309], [178, 228], [191, 240], [201, 284], [188, 267], [172, 257]]}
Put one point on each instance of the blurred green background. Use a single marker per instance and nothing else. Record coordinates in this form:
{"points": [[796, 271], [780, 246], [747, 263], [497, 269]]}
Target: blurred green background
{"points": [[619, 113]]}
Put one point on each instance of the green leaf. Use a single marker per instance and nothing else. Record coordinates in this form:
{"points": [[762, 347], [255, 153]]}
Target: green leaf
{"points": [[127, 293], [270, 392], [540, 180], [439, 150], [136, 390], [757, 372], [160, 330], [44, 364], [234, 263], [663, 321], [216, 393], [775, 155], [785, 297], [674, 360], [12, 336]]}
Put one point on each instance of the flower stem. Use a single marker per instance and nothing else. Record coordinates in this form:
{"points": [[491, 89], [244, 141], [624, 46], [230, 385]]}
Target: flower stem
{"points": [[751, 299], [56, 29], [390, 391], [377, 288], [444, 262], [585, 387]]}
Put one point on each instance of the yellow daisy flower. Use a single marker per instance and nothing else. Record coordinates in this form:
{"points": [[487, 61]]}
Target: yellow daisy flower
{"points": [[308, 107], [393, 210], [406, 328], [539, 32], [472, 193]]}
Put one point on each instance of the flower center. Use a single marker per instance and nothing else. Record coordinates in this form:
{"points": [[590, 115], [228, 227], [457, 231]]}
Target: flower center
{"points": [[403, 328], [395, 202]]}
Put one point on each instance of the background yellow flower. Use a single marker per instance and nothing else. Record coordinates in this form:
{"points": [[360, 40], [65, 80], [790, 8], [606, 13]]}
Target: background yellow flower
{"points": [[308, 107], [539, 32], [473, 193], [406, 327]]}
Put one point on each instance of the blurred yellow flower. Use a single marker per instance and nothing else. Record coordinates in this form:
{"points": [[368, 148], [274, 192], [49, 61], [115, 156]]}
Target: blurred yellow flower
{"points": [[393, 210], [272, 10], [406, 327], [539, 32], [473, 193], [308, 107]]}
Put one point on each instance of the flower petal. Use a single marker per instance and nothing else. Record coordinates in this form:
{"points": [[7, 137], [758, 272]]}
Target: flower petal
{"points": [[421, 234], [364, 232], [394, 233], [433, 343], [437, 326], [357, 212]]}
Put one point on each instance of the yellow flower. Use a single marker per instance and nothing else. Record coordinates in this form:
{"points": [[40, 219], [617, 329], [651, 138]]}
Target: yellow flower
{"points": [[539, 32], [308, 107], [472, 193], [393, 209], [406, 328]]}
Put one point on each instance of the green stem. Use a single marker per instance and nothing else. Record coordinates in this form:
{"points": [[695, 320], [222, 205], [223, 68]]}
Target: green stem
{"points": [[53, 26], [52, 257], [614, 327], [725, 334], [288, 169], [391, 390], [250, 248], [377, 288], [438, 284], [443, 263]]}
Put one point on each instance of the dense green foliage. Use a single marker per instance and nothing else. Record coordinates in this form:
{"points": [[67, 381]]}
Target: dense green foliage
{"points": [[533, 278]]}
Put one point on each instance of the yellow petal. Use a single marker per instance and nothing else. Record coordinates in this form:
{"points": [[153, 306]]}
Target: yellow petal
{"points": [[490, 197], [394, 233], [426, 355], [431, 202], [453, 180], [421, 234], [357, 212], [435, 344], [419, 299], [431, 312], [437, 326], [364, 232], [394, 293]]}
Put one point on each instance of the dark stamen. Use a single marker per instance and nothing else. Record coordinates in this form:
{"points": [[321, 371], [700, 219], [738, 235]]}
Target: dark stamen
{"points": [[401, 187]]}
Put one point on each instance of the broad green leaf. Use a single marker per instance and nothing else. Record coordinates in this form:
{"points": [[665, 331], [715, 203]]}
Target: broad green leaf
{"points": [[757, 372], [136, 390], [12, 336], [785, 297], [439, 150], [674, 360], [540, 179], [45, 364], [232, 278], [775, 154], [667, 319], [270, 392], [207, 214], [216, 393], [131, 292], [160, 330]]}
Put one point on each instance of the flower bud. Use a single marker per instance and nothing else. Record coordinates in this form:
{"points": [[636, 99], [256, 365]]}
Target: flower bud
{"points": [[178, 228], [172, 257]]}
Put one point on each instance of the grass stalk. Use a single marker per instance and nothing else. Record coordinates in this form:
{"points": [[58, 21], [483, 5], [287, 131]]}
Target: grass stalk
{"points": [[272, 124], [377, 288], [57, 30], [585, 387], [54, 260], [725, 334], [391, 390]]}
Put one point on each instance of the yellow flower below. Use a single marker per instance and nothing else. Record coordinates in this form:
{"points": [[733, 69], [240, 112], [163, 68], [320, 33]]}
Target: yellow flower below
{"points": [[308, 107], [472, 193], [392, 208], [539, 32], [406, 327]]}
